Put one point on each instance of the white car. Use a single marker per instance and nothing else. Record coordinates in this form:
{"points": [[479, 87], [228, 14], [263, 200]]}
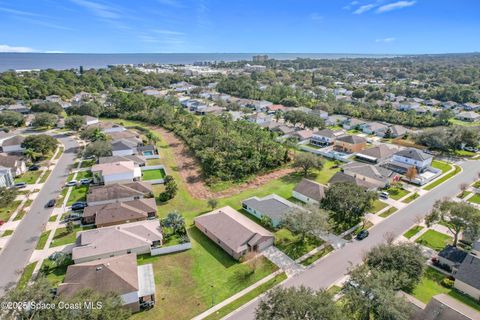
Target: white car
{"points": [[72, 183]]}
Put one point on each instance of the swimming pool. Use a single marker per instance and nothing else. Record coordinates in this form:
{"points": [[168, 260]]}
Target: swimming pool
{"points": [[148, 153]]}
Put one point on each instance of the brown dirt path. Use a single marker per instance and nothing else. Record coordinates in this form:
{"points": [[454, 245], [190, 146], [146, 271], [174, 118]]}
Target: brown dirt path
{"points": [[191, 173]]}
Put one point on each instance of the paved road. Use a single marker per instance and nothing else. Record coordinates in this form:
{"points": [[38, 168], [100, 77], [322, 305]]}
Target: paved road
{"points": [[15, 256], [337, 264]]}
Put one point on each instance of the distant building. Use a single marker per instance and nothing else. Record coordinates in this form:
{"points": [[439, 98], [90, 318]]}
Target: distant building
{"points": [[260, 58], [6, 177]]}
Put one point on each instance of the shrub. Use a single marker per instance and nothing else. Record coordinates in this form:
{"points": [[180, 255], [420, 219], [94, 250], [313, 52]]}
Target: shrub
{"points": [[447, 283]]}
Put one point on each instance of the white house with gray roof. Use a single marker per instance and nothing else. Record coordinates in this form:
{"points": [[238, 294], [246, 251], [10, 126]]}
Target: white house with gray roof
{"points": [[412, 157], [272, 206]]}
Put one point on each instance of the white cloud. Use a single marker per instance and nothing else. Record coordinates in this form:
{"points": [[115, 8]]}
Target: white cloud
{"points": [[364, 8], [316, 16], [395, 6], [385, 40], [7, 48], [169, 32], [98, 9]]}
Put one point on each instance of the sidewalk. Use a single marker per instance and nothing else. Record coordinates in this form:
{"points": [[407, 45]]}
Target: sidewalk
{"points": [[282, 261]]}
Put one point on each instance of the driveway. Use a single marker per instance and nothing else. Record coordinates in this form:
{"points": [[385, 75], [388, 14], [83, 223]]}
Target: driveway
{"points": [[337, 264], [15, 256]]}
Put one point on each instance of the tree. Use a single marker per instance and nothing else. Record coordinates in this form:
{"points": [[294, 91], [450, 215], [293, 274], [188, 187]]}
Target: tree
{"points": [[75, 123], [212, 203], [307, 161], [99, 148], [347, 203], [266, 221], [49, 107], [456, 216], [70, 227], [175, 221], [170, 189], [463, 187], [92, 134], [298, 304], [411, 173], [7, 195], [86, 109], [11, 119], [404, 258], [309, 220], [44, 119], [151, 137], [31, 155], [358, 93], [40, 143]]}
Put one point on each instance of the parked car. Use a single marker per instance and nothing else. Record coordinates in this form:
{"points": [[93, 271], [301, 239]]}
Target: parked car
{"points": [[20, 185], [384, 195], [85, 181], [34, 167], [471, 149], [51, 203], [80, 205], [72, 183], [362, 235], [73, 217]]}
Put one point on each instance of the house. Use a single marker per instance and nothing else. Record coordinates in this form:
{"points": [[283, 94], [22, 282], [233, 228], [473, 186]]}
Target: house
{"points": [[89, 120], [324, 137], [302, 135], [140, 161], [13, 144], [15, 163], [476, 248], [234, 232], [467, 277], [335, 120], [125, 135], [350, 143], [309, 191], [341, 177], [469, 106], [118, 172], [374, 177], [117, 192], [449, 105], [107, 127], [134, 284], [352, 123], [283, 129], [110, 214], [376, 154], [375, 128], [130, 238], [259, 118], [411, 157], [6, 177], [468, 116], [396, 131], [272, 206], [20, 108], [451, 257], [445, 307], [124, 147], [275, 108]]}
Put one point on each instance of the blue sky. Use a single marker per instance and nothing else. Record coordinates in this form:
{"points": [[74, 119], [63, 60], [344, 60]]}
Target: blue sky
{"points": [[323, 26]]}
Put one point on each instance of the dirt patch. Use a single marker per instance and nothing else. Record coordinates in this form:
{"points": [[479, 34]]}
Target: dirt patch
{"points": [[191, 172]]}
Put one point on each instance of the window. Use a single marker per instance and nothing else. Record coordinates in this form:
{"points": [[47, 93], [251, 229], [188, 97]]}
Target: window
{"points": [[129, 251]]}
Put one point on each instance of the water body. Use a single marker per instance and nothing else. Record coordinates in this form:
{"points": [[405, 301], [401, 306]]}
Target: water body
{"points": [[61, 61]]}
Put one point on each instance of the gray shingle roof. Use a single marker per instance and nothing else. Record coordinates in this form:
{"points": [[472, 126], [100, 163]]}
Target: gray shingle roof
{"points": [[453, 254], [352, 139], [469, 271], [414, 154], [311, 189], [272, 205]]}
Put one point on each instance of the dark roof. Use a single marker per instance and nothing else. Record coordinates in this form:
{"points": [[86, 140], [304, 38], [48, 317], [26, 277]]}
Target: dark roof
{"points": [[123, 144], [118, 191], [352, 139], [311, 189], [414, 154], [340, 177], [453, 254], [469, 271]]}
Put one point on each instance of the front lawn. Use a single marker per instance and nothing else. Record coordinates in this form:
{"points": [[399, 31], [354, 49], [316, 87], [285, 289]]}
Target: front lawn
{"points": [[62, 236], [87, 163], [7, 233], [26, 275], [317, 255], [445, 167], [442, 179], [79, 193], [7, 211], [411, 198], [292, 245], [413, 231], [83, 174], [463, 194], [388, 212], [54, 274], [42, 240], [475, 198], [154, 174], [434, 240], [45, 176], [378, 205], [29, 177], [397, 192]]}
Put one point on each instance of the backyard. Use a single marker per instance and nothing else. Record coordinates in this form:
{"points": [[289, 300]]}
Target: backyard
{"points": [[434, 240], [154, 174]]}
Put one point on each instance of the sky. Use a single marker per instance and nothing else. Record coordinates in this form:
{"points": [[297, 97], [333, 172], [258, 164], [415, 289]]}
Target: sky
{"points": [[237, 26]]}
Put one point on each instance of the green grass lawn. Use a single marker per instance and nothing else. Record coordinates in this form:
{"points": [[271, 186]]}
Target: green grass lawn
{"points": [[62, 237], [26, 275], [462, 123], [378, 205], [154, 174], [430, 285], [396, 192], [388, 212], [42, 240], [79, 193], [434, 240], [442, 179], [52, 218], [411, 198], [475, 198], [463, 194], [7, 233], [413, 231], [464, 153], [20, 215], [45, 176], [441, 165], [59, 153], [87, 163], [476, 184], [7, 211], [246, 298], [292, 245], [317, 255], [154, 162], [83, 174], [29, 177], [54, 274], [310, 145]]}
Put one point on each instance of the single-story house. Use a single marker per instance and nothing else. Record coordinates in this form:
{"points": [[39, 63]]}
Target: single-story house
{"points": [[352, 123], [137, 159], [375, 176], [6, 177], [118, 192], [110, 214], [468, 116], [376, 154], [444, 307], [350, 143], [127, 134], [13, 144], [470, 106], [411, 157], [302, 135], [134, 284], [89, 120], [341, 177], [14, 162], [283, 129], [397, 131], [451, 256], [276, 107], [272, 206], [467, 277], [124, 147], [309, 191], [234, 232], [375, 128], [107, 127], [135, 237], [335, 120], [118, 172]]}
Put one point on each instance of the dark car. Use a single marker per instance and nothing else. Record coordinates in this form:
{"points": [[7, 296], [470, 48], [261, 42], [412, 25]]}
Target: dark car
{"points": [[80, 205], [51, 203], [362, 235], [34, 168], [20, 185]]}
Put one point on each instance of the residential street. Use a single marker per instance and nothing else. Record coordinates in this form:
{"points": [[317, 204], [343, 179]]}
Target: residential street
{"points": [[337, 264], [15, 256]]}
